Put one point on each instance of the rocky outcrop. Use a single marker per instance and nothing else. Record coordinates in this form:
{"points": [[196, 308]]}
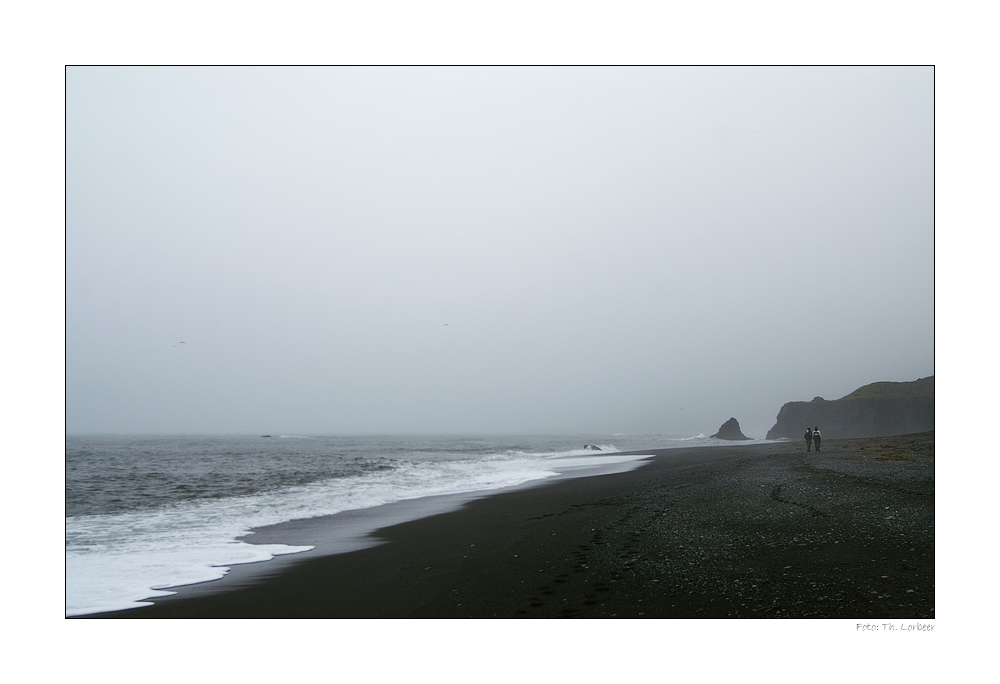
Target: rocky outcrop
{"points": [[730, 430], [877, 410]]}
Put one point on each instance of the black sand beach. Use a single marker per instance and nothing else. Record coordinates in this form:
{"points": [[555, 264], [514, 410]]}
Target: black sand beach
{"points": [[742, 531]]}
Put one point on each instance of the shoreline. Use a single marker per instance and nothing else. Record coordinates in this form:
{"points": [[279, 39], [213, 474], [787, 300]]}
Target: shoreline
{"points": [[752, 530]]}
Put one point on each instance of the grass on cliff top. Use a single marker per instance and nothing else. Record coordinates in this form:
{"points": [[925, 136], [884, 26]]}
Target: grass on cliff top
{"points": [[923, 387]]}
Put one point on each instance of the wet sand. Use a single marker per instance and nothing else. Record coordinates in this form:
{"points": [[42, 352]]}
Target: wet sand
{"points": [[742, 531]]}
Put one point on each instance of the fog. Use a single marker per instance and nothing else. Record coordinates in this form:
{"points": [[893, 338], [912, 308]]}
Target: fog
{"points": [[491, 250]]}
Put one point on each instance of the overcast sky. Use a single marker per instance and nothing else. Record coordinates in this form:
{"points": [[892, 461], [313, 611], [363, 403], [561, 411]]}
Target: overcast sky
{"points": [[491, 250]]}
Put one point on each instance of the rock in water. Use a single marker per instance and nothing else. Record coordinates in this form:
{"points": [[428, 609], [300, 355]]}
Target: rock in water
{"points": [[730, 430]]}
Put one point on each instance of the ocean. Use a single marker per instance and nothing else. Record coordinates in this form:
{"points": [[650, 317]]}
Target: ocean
{"points": [[145, 514]]}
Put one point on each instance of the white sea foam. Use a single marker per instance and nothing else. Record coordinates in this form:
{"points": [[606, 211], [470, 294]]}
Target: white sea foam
{"points": [[118, 561], [98, 582]]}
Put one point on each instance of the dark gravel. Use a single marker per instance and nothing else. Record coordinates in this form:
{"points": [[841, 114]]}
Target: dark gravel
{"points": [[743, 531]]}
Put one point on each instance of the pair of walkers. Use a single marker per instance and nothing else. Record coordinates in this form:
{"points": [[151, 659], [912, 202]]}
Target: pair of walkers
{"points": [[813, 438]]}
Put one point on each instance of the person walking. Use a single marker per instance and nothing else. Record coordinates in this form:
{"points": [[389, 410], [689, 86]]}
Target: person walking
{"points": [[817, 437], [809, 438]]}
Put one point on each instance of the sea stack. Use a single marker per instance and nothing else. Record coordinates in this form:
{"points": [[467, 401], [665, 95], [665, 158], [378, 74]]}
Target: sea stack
{"points": [[730, 430]]}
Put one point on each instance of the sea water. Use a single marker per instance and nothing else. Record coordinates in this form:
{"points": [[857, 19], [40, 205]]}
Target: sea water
{"points": [[144, 514]]}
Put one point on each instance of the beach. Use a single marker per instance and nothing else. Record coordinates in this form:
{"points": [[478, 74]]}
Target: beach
{"points": [[749, 530]]}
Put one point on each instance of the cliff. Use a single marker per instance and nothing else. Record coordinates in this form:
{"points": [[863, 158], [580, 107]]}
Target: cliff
{"points": [[876, 410]]}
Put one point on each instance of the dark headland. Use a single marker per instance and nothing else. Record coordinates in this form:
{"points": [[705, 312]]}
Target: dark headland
{"points": [[876, 410], [747, 530]]}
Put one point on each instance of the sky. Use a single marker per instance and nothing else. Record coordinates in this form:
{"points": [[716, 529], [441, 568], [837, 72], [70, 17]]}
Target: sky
{"points": [[491, 250]]}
